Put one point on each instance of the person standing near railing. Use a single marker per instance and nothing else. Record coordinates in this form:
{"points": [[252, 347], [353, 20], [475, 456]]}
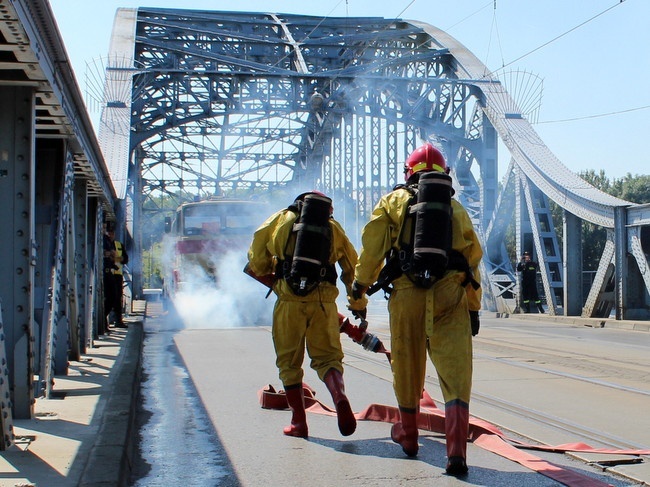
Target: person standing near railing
{"points": [[528, 269], [115, 257]]}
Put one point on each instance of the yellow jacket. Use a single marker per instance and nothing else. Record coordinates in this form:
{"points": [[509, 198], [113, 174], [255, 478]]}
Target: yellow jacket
{"points": [[120, 257], [268, 246], [382, 233]]}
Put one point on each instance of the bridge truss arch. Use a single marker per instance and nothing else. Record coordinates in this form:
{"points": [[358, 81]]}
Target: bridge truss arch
{"points": [[222, 103]]}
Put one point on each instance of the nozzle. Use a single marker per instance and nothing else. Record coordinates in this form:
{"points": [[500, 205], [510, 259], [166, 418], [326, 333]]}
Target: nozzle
{"points": [[371, 342], [367, 340]]}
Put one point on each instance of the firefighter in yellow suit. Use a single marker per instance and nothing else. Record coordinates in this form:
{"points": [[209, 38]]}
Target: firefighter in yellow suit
{"points": [[310, 320], [439, 321]]}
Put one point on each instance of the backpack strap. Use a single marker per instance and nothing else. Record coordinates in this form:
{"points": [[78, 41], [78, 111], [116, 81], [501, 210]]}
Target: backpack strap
{"points": [[458, 262], [397, 260]]}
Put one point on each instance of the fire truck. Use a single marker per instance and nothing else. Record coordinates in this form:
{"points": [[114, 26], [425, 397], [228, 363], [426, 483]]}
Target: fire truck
{"points": [[201, 234]]}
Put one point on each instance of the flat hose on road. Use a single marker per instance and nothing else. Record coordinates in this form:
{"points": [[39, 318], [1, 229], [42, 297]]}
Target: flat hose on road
{"points": [[481, 433]]}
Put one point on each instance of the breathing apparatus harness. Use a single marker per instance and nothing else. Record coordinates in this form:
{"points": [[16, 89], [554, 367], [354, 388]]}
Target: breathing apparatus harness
{"points": [[309, 265], [425, 254]]}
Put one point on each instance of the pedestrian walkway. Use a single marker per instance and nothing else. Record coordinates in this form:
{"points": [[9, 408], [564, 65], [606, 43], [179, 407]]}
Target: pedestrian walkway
{"points": [[82, 436]]}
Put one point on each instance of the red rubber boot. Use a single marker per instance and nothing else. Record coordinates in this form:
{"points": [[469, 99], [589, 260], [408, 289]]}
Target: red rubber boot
{"points": [[456, 431], [405, 433], [296, 400], [334, 382]]}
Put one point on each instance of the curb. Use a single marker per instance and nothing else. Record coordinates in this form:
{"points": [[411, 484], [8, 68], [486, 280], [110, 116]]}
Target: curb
{"points": [[111, 457], [631, 325]]}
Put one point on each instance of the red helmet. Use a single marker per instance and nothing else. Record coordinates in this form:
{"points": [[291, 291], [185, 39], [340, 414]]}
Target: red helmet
{"points": [[301, 197], [425, 158]]}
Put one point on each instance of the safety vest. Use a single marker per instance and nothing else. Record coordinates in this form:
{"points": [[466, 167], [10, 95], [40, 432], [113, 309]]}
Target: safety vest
{"points": [[119, 252]]}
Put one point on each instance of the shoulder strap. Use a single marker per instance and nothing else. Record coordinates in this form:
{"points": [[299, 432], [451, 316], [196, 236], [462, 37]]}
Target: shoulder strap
{"points": [[396, 260], [406, 248], [458, 262]]}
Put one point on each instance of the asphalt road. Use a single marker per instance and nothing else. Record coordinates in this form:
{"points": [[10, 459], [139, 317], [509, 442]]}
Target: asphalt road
{"points": [[540, 381]]}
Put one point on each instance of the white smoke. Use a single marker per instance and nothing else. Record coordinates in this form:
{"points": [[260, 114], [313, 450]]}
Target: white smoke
{"points": [[234, 300]]}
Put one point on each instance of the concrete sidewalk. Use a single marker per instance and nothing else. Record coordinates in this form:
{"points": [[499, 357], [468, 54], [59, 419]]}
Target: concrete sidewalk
{"points": [[631, 325], [83, 436]]}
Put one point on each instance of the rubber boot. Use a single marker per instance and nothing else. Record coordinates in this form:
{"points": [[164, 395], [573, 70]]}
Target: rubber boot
{"points": [[540, 308], [334, 382], [456, 432], [526, 307], [296, 400], [405, 432]]}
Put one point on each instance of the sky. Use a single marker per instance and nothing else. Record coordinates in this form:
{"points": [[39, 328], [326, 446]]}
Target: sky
{"points": [[591, 55]]}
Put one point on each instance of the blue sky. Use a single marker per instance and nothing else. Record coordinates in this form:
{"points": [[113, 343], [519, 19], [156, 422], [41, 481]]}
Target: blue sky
{"points": [[592, 56]]}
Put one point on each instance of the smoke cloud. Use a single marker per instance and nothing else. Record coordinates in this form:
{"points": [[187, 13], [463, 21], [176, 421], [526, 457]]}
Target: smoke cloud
{"points": [[233, 300]]}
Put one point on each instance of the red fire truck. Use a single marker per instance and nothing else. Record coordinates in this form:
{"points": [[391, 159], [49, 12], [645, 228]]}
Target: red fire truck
{"points": [[204, 232]]}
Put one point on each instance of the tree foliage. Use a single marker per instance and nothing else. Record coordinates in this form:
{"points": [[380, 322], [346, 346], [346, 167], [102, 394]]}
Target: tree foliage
{"points": [[635, 189]]}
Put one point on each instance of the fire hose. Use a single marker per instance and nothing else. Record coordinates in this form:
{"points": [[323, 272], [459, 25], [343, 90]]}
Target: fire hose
{"points": [[431, 418]]}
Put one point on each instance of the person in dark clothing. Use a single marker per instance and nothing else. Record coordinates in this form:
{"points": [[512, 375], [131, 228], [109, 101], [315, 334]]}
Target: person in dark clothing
{"points": [[528, 269], [115, 257]]}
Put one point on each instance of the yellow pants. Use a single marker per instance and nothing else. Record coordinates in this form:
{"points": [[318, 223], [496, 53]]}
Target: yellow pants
{"points": [[314, 324], [436, 321]]}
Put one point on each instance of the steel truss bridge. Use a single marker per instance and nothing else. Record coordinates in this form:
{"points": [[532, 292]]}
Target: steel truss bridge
{"points": [[202, 103], [220, 103]]}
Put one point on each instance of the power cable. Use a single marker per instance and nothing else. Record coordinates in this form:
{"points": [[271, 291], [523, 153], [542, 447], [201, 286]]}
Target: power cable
{"points": [[600, 115], [469, 16], [558, 37], [495, 27], [404, 9]]}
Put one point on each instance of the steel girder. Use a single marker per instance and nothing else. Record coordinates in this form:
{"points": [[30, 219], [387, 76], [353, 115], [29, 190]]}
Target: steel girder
{"points": [[547, 174], [225, 101], [44, 125]]}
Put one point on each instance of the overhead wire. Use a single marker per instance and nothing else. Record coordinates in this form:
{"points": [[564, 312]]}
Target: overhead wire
{"points": [[600, 115], [494, 26], [504, 65], [558, 36], [469, 16]]}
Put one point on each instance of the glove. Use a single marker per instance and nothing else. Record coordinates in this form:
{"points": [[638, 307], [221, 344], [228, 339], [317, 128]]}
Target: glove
{"points": [[475, 322], [358, 290], [359, 314]]}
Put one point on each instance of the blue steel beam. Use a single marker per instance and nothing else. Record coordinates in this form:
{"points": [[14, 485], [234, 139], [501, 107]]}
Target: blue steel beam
{"points": [[44, 128], [237, 88]]}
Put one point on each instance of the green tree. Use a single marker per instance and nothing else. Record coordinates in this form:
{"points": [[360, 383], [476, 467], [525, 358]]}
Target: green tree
{"points": [[635, 189], [632, 188]]}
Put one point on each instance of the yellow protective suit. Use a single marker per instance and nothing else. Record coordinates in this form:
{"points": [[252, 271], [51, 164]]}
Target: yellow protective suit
{"points": [[432, 320], [311, 320]]}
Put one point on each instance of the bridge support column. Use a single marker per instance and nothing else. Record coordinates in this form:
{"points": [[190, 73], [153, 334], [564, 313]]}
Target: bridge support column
{"points": [[572, 250], [620, 261], [49, 170], [131, 214], [17, 239]]}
